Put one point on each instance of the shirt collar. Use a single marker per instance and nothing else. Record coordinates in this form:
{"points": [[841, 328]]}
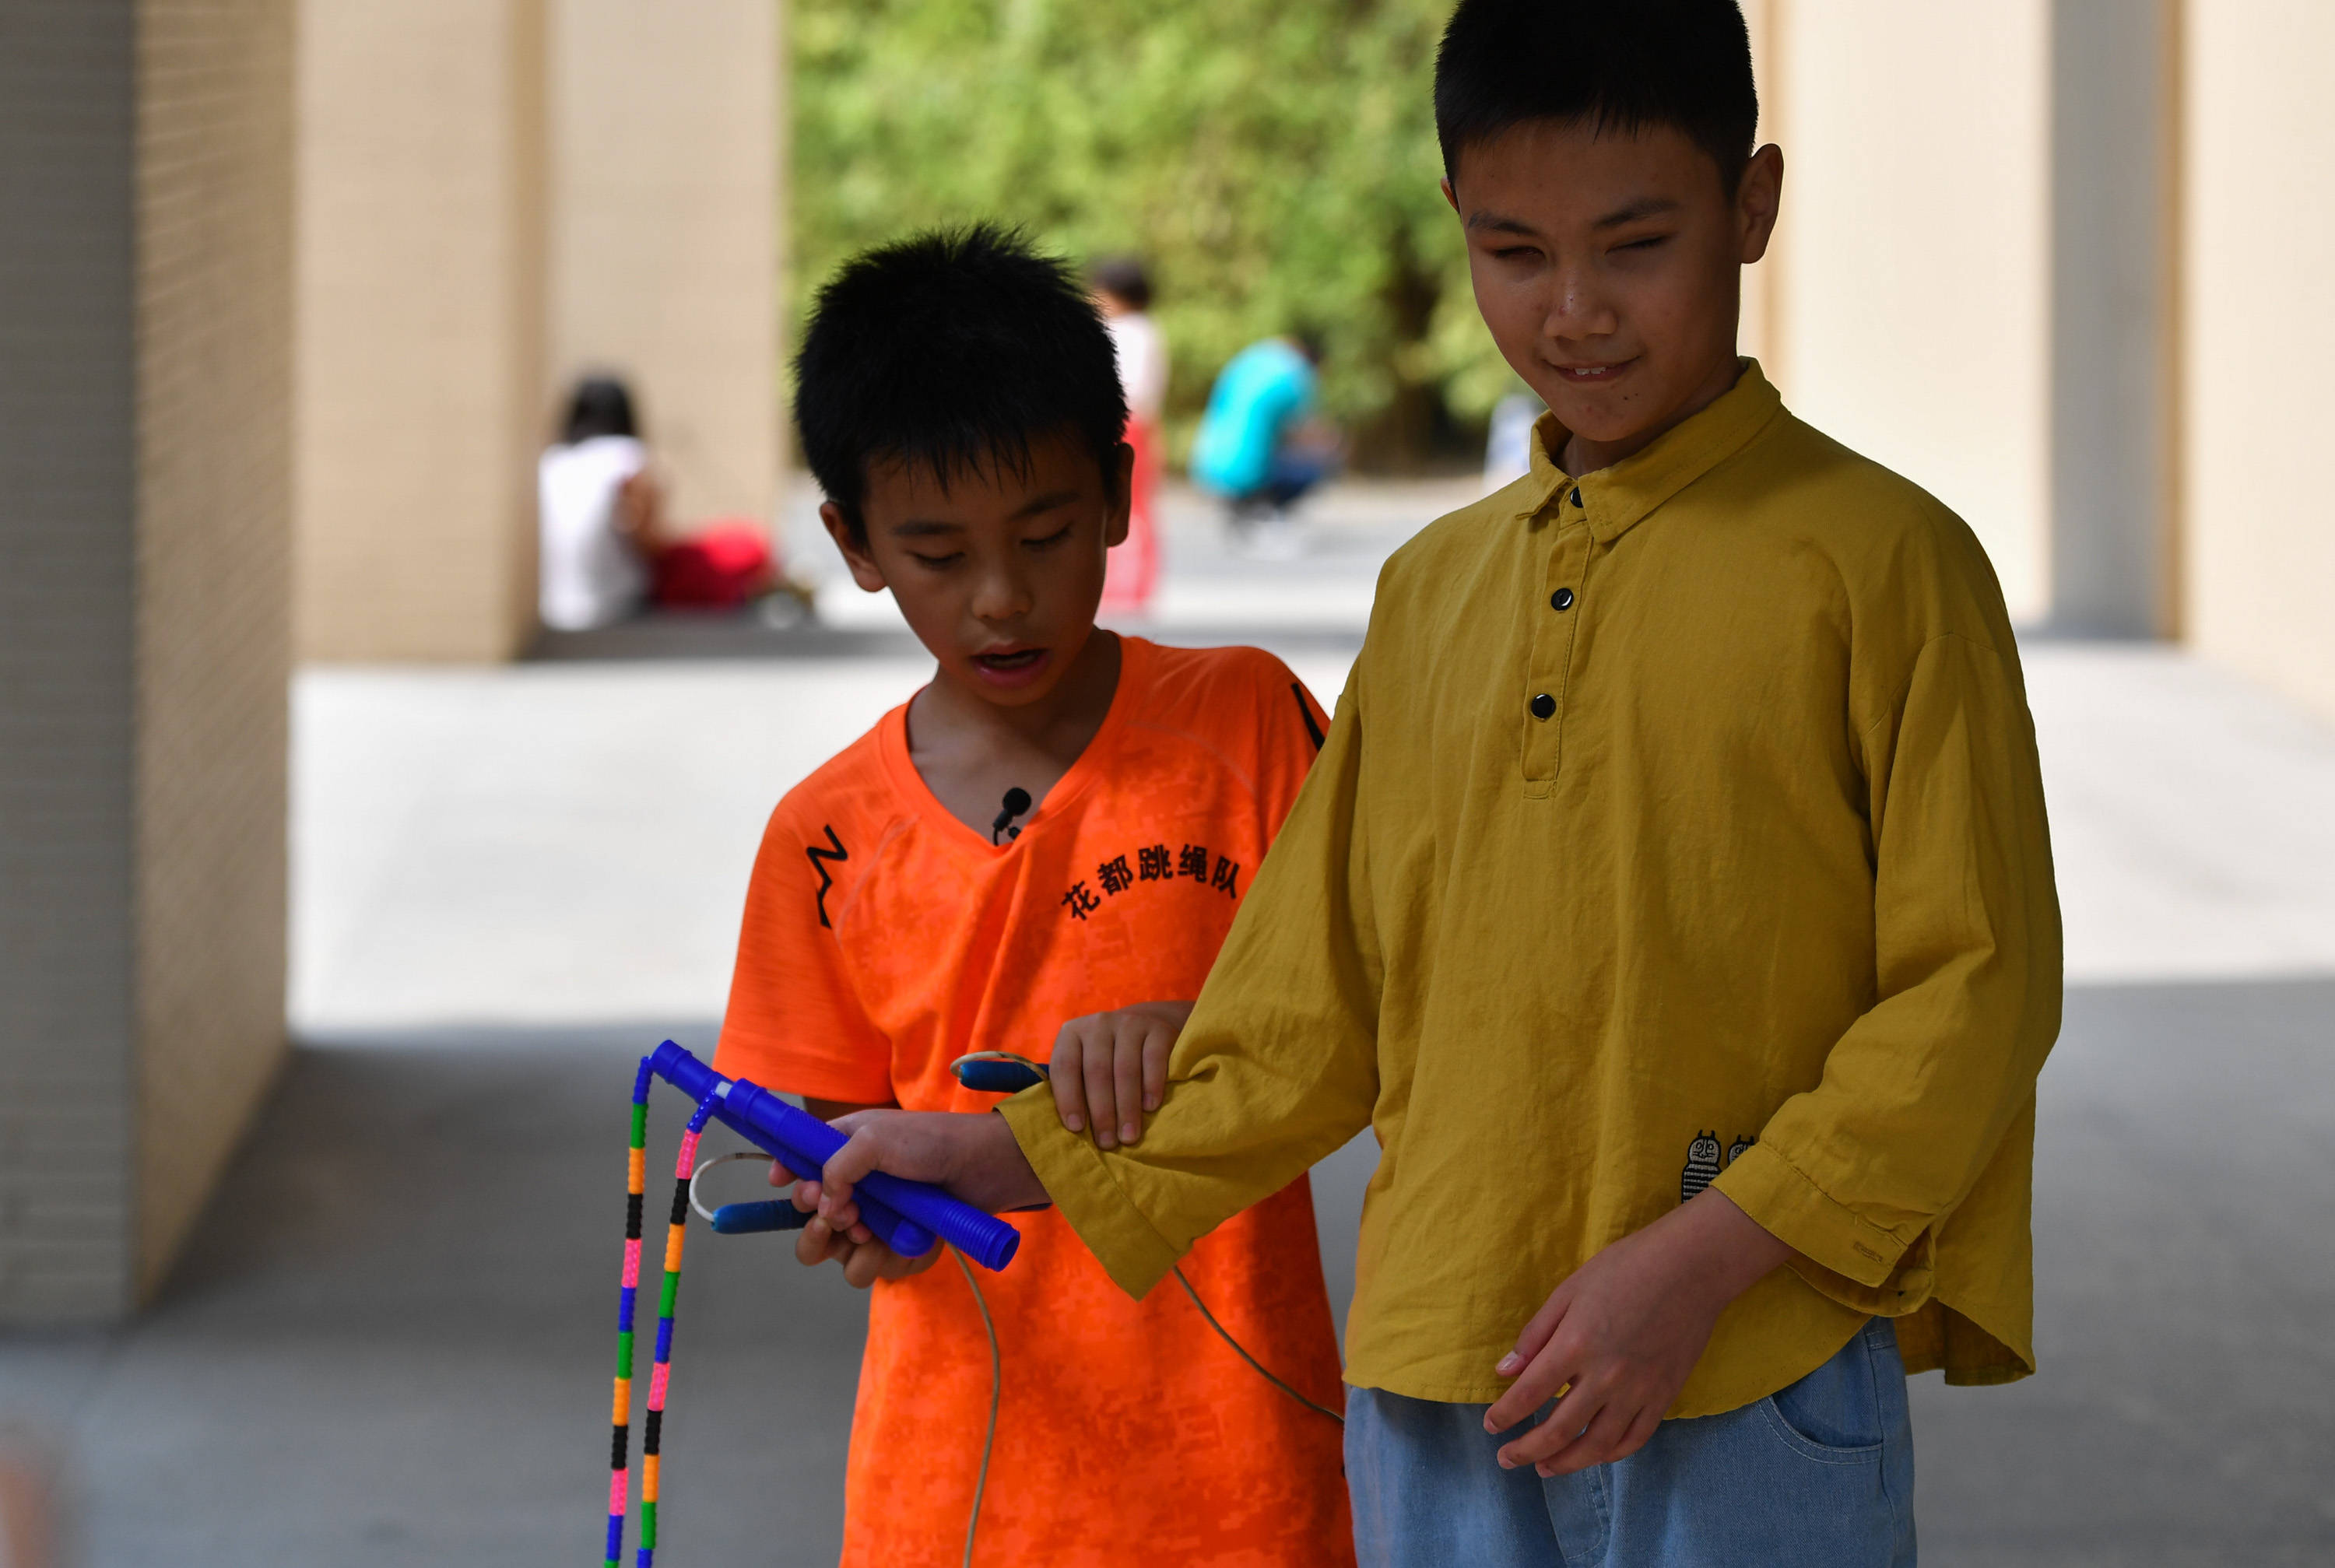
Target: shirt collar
{"points": [[1614, 499]]}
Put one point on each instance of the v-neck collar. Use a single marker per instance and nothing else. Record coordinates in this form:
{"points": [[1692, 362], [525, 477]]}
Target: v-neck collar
{"points": [[1134, 677]]}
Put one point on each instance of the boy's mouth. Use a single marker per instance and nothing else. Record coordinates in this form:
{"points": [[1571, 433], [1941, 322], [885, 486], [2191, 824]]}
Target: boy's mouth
{"points": [[1009, 666], [1590, 374]]}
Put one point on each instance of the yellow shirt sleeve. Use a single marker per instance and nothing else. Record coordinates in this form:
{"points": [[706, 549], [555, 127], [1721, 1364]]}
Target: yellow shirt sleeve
{"points": [[1286, 1034], [1858, 1172]]}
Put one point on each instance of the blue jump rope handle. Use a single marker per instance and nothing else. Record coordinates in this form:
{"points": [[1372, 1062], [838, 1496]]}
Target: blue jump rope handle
{"points": [[990, 1076], [746, 1219], [908, 1215]]}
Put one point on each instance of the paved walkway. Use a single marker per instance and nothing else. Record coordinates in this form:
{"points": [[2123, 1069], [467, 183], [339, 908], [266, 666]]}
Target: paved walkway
{"points": [[389, 1343]]}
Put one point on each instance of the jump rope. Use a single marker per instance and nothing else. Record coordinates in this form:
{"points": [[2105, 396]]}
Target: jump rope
{"points": [[910, 1217]]}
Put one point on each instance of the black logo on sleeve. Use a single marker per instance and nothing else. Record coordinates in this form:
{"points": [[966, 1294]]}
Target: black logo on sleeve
{"points": [[1704, 1161], [1305, 712], [818, 859], [1702, 1165]]}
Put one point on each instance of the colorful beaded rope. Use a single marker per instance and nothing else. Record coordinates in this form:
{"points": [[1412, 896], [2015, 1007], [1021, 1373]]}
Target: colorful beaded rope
{"points": [[636, 1174]]}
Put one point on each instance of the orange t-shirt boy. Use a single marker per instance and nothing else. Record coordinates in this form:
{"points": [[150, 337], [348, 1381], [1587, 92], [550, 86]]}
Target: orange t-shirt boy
{"points": [[959, 405]]}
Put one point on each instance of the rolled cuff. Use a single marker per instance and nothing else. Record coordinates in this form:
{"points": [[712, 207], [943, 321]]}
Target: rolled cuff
{"points": [[1078, 1177], [1842, 1253]]}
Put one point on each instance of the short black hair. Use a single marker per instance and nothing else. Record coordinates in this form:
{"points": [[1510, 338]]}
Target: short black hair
{"points": [[952, 350], [1621, 65], [599, 406]]}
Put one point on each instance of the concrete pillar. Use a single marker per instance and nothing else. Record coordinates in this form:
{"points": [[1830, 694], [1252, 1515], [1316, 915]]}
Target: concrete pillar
{"points": [[145, 164], [421, 347], [1910, 316], [664, 224], [2257, 318], [2111, 316]]}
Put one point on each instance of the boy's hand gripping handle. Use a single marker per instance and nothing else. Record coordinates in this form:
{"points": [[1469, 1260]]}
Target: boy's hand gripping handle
{"points": [[906, 1214]]}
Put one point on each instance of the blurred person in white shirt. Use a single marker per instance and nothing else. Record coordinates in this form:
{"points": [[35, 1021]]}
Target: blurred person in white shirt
{"points": [[600, 511], [606, 551], [1122, 291]]}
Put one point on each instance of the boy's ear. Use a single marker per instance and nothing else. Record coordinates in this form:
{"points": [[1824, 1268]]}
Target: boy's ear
{"points": [[1450, 195], [1759, 199], [863, 569], [1122, 497]]}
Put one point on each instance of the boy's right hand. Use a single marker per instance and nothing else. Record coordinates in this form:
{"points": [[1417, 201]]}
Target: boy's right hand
{"points": [[1110, 1068], [865, 1259], [969, 1155], [844, 1240], [972, 1156]]}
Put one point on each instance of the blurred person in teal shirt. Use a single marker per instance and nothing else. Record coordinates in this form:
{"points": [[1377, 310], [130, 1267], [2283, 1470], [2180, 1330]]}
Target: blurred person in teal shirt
{"points": [[1261, 444]]}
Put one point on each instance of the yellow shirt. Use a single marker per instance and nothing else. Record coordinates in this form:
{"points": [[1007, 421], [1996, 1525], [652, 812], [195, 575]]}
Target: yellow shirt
{"points": [[1681, 824]]}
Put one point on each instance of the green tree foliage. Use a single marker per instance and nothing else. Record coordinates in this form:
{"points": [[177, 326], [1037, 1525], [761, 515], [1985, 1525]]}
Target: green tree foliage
{"points": [[1275, 165]]}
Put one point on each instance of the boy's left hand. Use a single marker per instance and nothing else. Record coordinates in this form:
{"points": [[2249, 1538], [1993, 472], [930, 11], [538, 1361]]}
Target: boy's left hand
{"points": [[1110, 1069], [1625, 1330]]}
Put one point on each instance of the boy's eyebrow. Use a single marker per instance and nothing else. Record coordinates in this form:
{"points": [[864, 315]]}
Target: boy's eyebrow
{"points": [[1644, 208], [1636, 211], [1494, 220], [926, 528], [1045, 503]]}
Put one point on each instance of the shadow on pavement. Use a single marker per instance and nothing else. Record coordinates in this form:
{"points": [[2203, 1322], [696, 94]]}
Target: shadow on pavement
{"points": [[2183, 1198], [391, 1341], [715, 634]]}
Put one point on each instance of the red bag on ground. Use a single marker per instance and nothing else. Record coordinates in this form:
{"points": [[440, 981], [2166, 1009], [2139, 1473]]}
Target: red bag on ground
{"points": [[725, 565]]}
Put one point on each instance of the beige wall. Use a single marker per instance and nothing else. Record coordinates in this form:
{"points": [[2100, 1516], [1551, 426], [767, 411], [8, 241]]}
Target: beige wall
{"points": [[1908, 312], [2258, 317], [495, 197], [664, 186], [145, 391], [68, 663], [214, 408], [420, 344]]}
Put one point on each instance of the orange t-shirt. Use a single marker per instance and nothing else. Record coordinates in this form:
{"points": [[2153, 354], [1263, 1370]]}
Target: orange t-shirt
{"points": [[883, 939]]}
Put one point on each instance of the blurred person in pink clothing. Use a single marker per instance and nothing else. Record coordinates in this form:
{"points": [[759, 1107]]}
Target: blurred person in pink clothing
{"points": [[1122, 290]]}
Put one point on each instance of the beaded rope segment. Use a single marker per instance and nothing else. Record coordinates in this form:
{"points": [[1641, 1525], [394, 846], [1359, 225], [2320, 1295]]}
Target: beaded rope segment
{"points": [[636, 1175]]}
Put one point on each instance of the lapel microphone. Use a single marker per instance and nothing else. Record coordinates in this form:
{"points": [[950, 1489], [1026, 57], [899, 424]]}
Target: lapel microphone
{"points": [[1016, 802]]}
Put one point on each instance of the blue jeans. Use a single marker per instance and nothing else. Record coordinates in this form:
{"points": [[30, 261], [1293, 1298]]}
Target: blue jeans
{"points": [[1292, 473], [1819, 1474]]}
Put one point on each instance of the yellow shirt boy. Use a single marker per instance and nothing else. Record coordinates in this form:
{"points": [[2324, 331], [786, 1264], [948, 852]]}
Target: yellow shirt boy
{"points": [[1672, 897], [1680, 827]]}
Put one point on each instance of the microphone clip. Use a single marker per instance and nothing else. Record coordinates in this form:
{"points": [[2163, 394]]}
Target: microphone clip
{"points": [[1016, 802]]}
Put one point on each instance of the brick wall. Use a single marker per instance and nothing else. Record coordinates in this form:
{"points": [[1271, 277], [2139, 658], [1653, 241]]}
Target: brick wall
{"points": [[419, 351], [214, 189], [144, 500], [67, 517]]}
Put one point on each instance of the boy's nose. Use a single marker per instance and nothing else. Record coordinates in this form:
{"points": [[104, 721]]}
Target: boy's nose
{"points": [[1000, 596], [1578, 308]]}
